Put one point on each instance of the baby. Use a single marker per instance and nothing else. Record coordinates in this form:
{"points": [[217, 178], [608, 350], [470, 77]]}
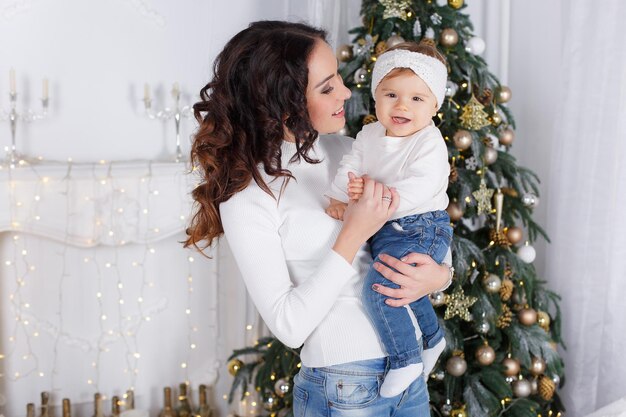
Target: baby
{"points": [[403, 150]]}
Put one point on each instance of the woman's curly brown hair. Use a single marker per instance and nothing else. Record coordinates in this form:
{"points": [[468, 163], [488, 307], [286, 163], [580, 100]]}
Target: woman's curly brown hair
{"points": [[258, 91]]}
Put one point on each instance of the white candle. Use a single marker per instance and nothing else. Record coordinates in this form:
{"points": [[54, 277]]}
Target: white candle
{"points": [[146, 92], [44, 93], [175, 91], [12, 80]]}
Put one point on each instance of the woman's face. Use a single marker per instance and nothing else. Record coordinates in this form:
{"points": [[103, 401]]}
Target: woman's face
{"points": [[325, 92]]}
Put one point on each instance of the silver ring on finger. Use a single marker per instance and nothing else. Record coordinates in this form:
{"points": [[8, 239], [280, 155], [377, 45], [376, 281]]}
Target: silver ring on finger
{"points": [[386, 198]]}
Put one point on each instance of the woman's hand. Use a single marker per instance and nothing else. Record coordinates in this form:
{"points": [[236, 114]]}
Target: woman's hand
{"points": [[365, 216], [415, 281]]}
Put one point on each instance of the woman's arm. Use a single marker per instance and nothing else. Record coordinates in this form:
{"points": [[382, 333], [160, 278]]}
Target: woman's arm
{"points": [[415, 281]]}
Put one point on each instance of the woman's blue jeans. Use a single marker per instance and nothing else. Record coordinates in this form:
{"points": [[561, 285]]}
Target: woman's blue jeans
{"points": [[351, 390], [429, 233]]}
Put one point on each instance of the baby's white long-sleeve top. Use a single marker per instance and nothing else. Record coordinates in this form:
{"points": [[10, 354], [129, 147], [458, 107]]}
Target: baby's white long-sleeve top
{"points": [[305, 292], [417, 166]]}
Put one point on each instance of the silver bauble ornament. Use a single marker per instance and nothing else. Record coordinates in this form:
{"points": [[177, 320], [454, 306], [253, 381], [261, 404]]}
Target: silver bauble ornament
{"points": [[446, 409], [511, 367], [537, 366], [360, 76], [556, 379], [456, 366], [475, 45], [451, 88], [510, 379], [530, 200], [449, 37], [462, 139], [492, 283], [490, 156], [521, 388], [344, 53], [282, 387], [393, 40], [483, 327], [506, 137], [485, 355], [437, 298], [527, 253]]}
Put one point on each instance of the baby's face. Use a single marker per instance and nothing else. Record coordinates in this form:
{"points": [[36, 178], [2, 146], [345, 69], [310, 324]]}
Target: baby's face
{"points": [[404, 104]]}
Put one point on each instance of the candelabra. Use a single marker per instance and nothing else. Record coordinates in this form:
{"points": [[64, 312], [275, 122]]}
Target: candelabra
{"points": [[28, 116], [175, 113]]}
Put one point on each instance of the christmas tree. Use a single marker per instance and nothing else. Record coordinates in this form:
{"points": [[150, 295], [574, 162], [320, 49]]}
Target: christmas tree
{"points": [[502, 324]]}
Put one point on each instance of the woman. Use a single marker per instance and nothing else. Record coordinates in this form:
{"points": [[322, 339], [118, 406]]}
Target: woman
{"points": [[275, 88]]}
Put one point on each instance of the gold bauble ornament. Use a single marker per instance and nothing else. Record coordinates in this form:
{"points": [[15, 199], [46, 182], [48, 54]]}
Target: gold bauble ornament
{"points": [[496, 119], [506, 137], [543, 320], [344, 53], [521, 388], [514, 234], [490, 155], [546, 387], [537, 366], [234, 365], [462, 139], [394, 40], [456, 365], [511, 366], [455, 4], [506, 290], [282, 387], [454, 211], [527, 316], [458, 412], [485, 355], [473, 115], [492, 283], [380, 47], [458, 305], [448, 37], [503, 94], [370, 118]]}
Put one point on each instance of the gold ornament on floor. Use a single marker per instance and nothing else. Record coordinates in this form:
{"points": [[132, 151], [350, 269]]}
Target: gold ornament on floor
{"points": [[505, 318], [506, 290], [448, 38], [474, 116], [459, 304], [459, 412], [395, 8], [483, 197], [546, 387], [234, 365], [455, 4], [344, 53], [369, 118], [543, 320]]}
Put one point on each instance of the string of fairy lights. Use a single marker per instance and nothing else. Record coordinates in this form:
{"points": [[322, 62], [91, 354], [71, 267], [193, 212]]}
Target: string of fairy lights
{"points": [[100, 257]]}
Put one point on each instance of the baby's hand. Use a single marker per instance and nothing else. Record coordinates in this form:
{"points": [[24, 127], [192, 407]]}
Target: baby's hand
{"points": [[336, 209], [355, 186]]}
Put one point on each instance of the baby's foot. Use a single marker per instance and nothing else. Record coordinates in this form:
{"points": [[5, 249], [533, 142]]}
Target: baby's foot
{"points": [[397, 380], [430, 356]]}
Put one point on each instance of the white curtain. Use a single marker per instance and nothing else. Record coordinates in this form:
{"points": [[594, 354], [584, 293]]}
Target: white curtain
{"points": [[586, 262]]}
